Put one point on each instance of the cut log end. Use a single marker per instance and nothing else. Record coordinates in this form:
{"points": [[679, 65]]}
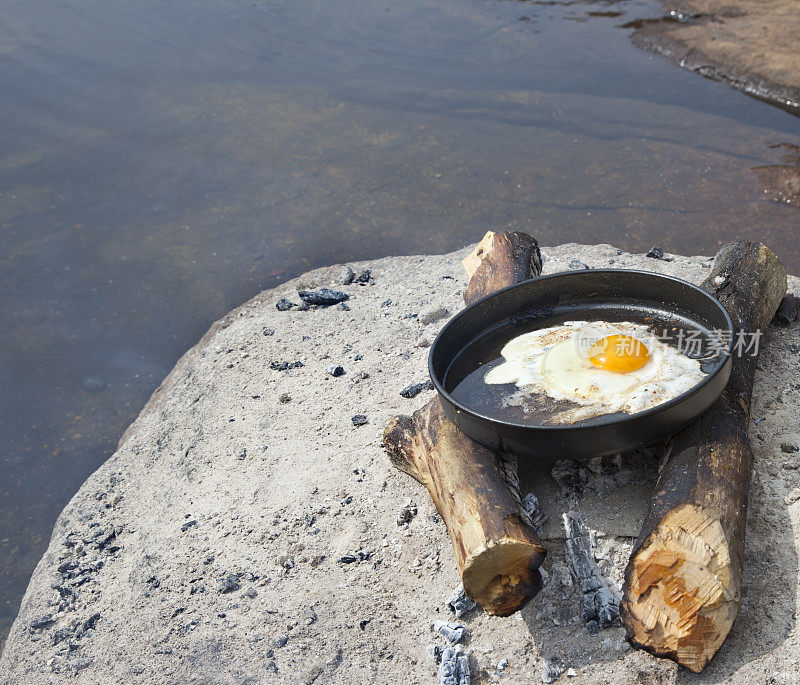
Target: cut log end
{"points": [[499, 260], [397, 438], [497, 551], [475, 258], [504, 575], [683, 581], [682, 599]]}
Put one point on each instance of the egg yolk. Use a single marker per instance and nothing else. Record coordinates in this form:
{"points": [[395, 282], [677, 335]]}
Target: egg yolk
{"points": [[619, 353]]}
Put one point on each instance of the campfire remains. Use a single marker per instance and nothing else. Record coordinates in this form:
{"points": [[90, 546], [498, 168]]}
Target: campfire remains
{"points": [[683, 582]]}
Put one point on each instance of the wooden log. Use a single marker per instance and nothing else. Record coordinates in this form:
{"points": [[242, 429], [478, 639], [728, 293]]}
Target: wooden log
{"points": [[475, 489], [499, 260], [683, 581]]}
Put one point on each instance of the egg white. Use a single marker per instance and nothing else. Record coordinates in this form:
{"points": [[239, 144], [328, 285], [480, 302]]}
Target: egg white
{"points": [[554, 361]]}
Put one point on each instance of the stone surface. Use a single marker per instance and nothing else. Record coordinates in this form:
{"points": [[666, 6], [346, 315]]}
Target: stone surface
{"points": [[234, 537], [751, 44]]}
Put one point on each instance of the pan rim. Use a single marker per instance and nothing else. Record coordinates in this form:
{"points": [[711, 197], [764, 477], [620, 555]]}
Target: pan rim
{"points": [[600, 422]]}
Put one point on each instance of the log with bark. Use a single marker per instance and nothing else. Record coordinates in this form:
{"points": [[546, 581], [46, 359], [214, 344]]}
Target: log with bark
{"points": [[476, 489], [683, 581]]}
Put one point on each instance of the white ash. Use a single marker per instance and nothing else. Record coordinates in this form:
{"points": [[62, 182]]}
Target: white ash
{"points": [[460, 603], [552, 670], [452, 632], [535, 512], [599, 601], [454, 668]]}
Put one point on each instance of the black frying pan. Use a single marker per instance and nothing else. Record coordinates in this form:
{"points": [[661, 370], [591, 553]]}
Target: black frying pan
{"points": [[661, 302]]}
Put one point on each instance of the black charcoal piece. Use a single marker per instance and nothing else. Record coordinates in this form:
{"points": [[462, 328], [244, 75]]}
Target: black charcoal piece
{"points": [[787, 311], [365, 277], [283, 366], [322, 297], [655, 253], [228, 584], [43, 622], [415, 389], [406, 514], [534, 510]]}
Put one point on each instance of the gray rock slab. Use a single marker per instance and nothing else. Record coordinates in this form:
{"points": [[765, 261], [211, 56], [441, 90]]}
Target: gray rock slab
{"points": [[209, 547]]}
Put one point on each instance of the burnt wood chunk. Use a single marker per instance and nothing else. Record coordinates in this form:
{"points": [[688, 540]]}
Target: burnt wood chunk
{"points": [[599, 599], [475, 489], [499, 260], [683, 581], [787, 311]]}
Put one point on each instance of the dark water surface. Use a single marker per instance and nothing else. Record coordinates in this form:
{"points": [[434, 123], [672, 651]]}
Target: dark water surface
{"points": [[162, 161]]}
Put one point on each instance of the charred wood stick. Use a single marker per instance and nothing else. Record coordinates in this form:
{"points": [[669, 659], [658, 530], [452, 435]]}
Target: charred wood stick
{"points": [[683, 581], [599, 599], [475, 489]]}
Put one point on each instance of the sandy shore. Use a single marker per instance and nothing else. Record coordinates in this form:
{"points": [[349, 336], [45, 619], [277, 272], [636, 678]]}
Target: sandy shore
{"points": [[754, 46]]}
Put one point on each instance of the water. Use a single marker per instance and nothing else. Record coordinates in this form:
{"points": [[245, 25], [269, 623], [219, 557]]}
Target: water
{"points": [[160, 162]]}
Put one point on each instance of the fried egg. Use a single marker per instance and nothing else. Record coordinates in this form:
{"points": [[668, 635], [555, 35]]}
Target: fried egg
{"points": [[601, 366]]}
